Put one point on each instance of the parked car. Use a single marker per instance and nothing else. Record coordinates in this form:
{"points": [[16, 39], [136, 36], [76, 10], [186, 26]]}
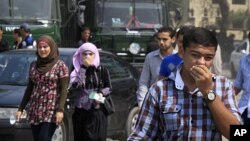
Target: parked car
{"points": [[14, 67], [239, 51]]}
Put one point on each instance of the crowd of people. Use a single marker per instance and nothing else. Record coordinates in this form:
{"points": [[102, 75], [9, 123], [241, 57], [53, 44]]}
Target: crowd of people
{"points": [[49, 82], [188, 101], [182, 94], [22, 38]]}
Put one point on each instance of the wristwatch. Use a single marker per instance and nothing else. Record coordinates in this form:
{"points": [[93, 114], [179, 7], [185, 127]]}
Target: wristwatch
{"points": [[210, 96]]}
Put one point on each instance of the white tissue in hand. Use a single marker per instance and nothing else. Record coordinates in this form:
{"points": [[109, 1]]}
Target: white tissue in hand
{"points": [[97, 97]]}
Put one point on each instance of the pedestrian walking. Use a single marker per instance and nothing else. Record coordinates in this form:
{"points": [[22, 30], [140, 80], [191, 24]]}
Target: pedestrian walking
{"points": [[151, 67], [242, 82], [193, 104], [90, 85], [46, 91], [170, 62], [28, 41], [17, 38]]}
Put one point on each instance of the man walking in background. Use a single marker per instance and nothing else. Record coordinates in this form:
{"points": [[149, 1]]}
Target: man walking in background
{"points": [[151, 68]]}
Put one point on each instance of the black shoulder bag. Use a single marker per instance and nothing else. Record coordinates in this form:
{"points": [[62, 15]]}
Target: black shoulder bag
{"points": [[109, 106]]}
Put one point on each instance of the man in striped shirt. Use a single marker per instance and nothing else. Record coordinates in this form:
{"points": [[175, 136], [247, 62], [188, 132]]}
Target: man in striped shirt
{"points": [[193, 104]]}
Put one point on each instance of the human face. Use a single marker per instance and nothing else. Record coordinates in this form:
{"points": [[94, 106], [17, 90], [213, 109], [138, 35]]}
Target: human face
{"points": [[43, 50], [197, 54], [88, 57], [85, 35], [15, 36], [164, 40]]}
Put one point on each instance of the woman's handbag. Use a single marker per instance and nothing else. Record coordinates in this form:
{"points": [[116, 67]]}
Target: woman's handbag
{"points": [[109, 107]]}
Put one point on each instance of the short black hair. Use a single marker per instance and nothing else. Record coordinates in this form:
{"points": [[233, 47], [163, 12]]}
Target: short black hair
{"points": [[170, 30], [85, 28], [183, 29], [200, 35], [17, 31], [1, 28]]}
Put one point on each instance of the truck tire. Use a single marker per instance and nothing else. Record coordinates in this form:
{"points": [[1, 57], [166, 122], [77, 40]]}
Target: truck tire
{"points": [[60, 133], [131, 121]]}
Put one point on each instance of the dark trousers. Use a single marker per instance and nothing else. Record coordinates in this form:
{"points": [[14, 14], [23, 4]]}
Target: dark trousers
{"points": [[43, 131], [89, 125], [244, 117]]}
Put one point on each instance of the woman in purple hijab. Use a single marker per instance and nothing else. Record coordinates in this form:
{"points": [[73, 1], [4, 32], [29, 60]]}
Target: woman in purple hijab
{"points": [[90, 84]]}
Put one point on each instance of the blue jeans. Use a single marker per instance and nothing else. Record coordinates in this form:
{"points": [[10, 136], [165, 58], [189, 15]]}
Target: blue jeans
{"points": [[43, 131]]}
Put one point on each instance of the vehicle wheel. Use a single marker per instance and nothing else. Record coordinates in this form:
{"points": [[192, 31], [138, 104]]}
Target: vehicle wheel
{"points": [[131, 121], [60, 133], [233, 72]]}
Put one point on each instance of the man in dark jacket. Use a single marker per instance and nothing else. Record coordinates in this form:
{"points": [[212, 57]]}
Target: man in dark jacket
{"points": [[3, 43]]}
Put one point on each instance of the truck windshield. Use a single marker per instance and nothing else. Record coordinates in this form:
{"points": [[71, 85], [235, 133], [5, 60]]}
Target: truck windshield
{"points": [[27, 9], [129, 14]]}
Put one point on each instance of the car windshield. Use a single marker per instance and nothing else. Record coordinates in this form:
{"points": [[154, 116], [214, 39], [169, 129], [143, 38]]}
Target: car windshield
{"points": [[25, 9], [14, 70], [129, 14]]}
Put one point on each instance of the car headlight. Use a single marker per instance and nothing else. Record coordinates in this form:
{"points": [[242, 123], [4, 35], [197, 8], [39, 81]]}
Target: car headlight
{"points": [[134, 48], [10, 113]]}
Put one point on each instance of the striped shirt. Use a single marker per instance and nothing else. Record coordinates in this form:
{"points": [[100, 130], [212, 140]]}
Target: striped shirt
{"points": [[170, 112]]}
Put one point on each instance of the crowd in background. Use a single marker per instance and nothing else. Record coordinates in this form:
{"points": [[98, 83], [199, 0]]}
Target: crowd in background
{"points": [[22, 38]]}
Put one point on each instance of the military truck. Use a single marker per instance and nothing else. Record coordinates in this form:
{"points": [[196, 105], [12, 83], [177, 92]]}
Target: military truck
{"points": [[124, 27]]}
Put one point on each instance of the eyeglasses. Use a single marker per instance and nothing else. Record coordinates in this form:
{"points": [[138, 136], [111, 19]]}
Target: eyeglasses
{"points": [[86, 54]]}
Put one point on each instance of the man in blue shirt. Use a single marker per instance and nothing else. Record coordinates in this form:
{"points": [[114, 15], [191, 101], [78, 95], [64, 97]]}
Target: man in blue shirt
{"points": [[242, 82], [28, 41], [170, 63]]}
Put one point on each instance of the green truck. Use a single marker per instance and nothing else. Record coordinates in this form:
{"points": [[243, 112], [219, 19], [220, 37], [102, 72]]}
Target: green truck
{"points": [[124, 27]]}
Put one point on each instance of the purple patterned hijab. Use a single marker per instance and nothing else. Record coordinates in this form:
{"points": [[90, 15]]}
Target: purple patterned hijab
{"points": [[77, 60]]}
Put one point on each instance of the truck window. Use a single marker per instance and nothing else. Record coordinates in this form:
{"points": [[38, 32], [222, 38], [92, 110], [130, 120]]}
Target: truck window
{"points": [[127, 14], [27, 9]]}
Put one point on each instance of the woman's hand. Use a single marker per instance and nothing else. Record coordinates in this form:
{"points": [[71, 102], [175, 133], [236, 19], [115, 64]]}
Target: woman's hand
{"points": [[59, 117], [18, 115], [86, 62]]}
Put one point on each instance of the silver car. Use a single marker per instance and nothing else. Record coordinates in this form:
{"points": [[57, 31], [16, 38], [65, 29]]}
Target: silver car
{"points": [[241, 50]]}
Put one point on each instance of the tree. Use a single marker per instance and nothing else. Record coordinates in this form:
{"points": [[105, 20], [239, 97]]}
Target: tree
{"points": [[224, 8]]}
